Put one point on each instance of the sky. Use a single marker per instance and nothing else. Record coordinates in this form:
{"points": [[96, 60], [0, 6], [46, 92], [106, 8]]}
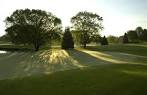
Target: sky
{"points": [[119, 15]]}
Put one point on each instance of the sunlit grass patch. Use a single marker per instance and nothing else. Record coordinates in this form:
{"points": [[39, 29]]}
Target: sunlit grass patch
{"points": [[136, 49]]}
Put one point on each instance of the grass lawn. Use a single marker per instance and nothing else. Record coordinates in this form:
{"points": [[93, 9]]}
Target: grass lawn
{"points": [[103, 70], [138, 49]]}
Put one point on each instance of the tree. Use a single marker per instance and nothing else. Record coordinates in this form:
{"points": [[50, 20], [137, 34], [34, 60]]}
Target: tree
{"points": [[67, 42], [132, 36], [5, 38], [87, 24], [95, 38], [113, 39], [33, 27], [139, 31], [144, 35], [125, 39], [104, 41]]}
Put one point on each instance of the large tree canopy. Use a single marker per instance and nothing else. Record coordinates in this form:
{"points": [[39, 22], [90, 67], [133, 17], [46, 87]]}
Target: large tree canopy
{"points": [[132, 36], [34, 27], [137, 35], [87, 24], [142, 33]]}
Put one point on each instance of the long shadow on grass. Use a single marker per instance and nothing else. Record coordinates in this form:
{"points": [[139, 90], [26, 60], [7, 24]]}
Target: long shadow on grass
{"points": [[19, 64], [12, 64], [132, 49], [85, 58], [117, 57], [88, 57]]}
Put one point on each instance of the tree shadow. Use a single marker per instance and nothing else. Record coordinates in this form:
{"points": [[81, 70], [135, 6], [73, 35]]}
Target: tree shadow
{"points": [[118, 57], [85, 58], [89, 57], [128, 48], [20, 64]]}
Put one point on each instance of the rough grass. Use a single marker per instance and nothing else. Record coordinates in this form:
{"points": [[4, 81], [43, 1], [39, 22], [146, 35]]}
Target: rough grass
{"points": [[104, 70]]}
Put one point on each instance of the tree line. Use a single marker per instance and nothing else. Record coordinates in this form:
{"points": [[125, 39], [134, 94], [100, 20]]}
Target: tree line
{"points": [[38, 27], [137, 35]]}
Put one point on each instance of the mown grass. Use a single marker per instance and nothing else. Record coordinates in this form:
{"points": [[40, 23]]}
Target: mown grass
{"points": [[100, 80], [12, 47], [104, 79], [137, 49]]}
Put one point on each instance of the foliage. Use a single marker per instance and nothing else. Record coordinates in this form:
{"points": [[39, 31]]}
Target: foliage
{"points": [[5, 38], [113, 39], [132, 36], [95, 38], [139, 31], [104, 41], [137, 35], [144, 35], [87, 24], [67, 42], [125, 39], [34, 27]]}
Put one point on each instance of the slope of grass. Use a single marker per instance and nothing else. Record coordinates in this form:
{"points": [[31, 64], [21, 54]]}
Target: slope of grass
{"points": [[106, 70]]}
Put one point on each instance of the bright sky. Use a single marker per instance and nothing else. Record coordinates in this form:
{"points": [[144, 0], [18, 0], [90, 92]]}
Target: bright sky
{"points": [[119, 15]]}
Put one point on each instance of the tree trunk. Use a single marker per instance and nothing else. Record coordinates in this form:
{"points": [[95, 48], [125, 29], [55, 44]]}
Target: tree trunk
{"points": [[84, 45], [36, 46], [85, 39]]}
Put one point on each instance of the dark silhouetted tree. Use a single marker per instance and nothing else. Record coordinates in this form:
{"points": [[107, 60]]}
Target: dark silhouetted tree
{"points": [[132, 36], [144, 35], [137, 35], [67, 42], [87, 24], [104, 41], [125, 39], [34, 27]]}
